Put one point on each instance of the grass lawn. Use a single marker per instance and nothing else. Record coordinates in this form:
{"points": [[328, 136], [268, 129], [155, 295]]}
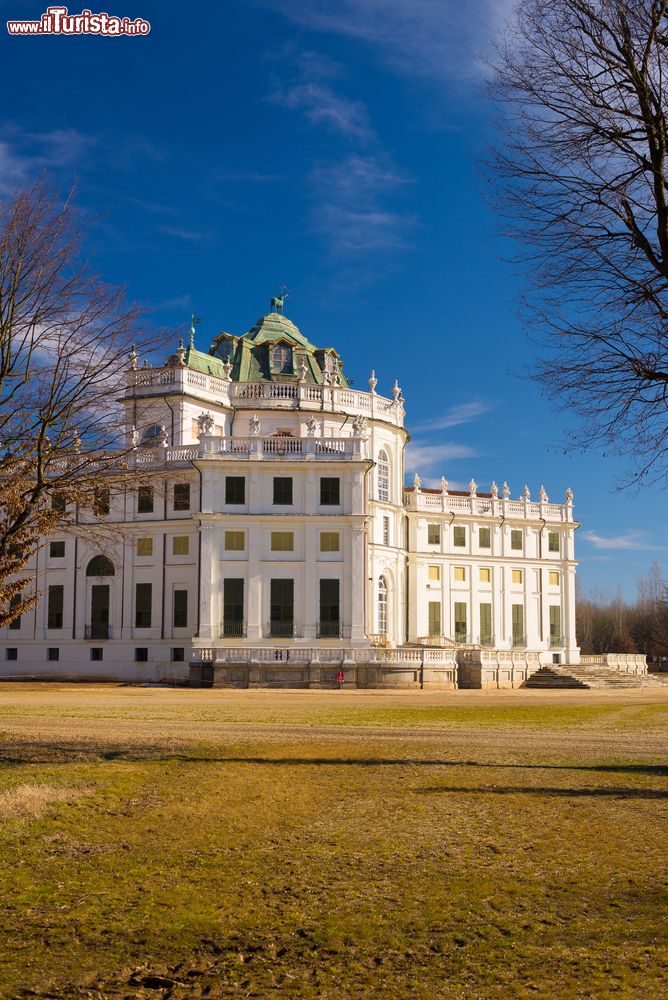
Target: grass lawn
{"points": [[173, 843]]}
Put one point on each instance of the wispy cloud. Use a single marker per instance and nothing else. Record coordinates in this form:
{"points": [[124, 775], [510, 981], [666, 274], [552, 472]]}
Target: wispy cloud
{"points": [[444, 40], [189, 235], [310, 91], [154, 207], [323, 106], [349, 210], [632, 540], [24, 154], [462, 413], [176, 302], [430, 458]]}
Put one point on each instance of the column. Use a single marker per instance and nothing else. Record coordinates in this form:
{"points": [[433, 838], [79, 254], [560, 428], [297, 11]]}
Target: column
{"points": [[356, 582], [254, 588], [311, 611], [206, 581]]}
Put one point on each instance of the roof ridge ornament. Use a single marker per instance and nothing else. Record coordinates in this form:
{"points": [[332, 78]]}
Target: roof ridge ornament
{"points": [[193, 321]]}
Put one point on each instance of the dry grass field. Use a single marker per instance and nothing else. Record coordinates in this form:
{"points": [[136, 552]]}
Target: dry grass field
{"points": [[172, 843]]}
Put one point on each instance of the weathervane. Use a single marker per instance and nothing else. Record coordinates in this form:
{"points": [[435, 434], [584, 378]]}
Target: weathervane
{"points": [[193, 320], [278, 301]]}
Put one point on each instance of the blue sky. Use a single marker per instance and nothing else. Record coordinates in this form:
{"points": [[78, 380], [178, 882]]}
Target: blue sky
{"points": [[330, 147]]}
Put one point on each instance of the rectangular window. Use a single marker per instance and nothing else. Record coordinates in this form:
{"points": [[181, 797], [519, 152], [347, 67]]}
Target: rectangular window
{"points": [[460, 573], [282, 608], [178, 654], [145, 500], [180, 545], [283, 490], [235, 541], [460, 622], [329, 541], [141, 654], [282, 541], [57, 550], [96, 653], [485, 574], [459, 536], [11, 653], [553, 541], [53, 653], [58, 503], [235, 489], [518, 576], [553, 577], [144, 546], [386, 530], [329, 609], [15, 624], [433, 573], [233, 607], [518, 625], [143, 601], [434, 618], [100, 501], [555, 625], [433, 534], [486, 637], [485, 538], [182, 496], [330, 491], [55, 600], [516, 539], [180, 609]]}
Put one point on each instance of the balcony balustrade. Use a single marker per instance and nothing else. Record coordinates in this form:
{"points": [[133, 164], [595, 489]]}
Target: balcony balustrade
{"points": [[271, 395], [232, 630], [329, 630], [282, 630]]}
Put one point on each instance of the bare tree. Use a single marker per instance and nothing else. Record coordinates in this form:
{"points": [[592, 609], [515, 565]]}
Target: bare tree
{"points": [[65, 338], [579, 174]]}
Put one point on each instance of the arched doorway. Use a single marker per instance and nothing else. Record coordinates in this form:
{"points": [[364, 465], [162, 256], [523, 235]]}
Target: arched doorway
{"points": [[98, 626]]}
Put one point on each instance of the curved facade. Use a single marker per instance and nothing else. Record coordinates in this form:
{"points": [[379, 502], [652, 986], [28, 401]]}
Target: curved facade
{"points": [[271, 541]]}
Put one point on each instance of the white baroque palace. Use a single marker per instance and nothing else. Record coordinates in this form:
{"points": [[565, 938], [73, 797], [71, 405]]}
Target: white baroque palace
{"points": [[271, 542]]}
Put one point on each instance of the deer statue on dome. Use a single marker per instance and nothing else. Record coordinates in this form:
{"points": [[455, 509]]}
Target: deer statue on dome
{"points": [[278, 301]]}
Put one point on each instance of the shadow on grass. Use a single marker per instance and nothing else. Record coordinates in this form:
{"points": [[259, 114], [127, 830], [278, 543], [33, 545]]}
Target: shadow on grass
{"points": [[83, 753], [568, 793]]}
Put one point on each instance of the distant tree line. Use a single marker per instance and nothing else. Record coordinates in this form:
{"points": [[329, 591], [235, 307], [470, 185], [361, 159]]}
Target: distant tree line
{"points": [[606, 623]]}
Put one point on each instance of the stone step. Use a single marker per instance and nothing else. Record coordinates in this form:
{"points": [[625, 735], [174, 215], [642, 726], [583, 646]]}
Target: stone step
{"points": [[575, 676]]}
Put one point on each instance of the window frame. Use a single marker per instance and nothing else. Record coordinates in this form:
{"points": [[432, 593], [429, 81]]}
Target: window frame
{"points": [[274, 545], [145, 500], [330, 535], [181, 497], [279, 485], [235, 533], [235, 484], [327, 483]]}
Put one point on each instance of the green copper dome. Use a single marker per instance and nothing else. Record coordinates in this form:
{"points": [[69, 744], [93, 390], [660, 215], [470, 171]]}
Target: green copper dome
{"points": [[273, 350]]}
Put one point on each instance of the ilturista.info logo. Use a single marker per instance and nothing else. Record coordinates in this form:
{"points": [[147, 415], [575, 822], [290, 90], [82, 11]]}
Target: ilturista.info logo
{"points": [[58, 21]]}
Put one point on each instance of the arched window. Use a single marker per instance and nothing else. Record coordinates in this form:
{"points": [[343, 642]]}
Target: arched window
{"points": [[151, 435], [382, 606], [383, 476], [281, 359], [100, 566]]}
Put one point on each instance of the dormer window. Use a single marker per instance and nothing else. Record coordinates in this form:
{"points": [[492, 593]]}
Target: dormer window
{"points": [[330, 364], [281, 359]]}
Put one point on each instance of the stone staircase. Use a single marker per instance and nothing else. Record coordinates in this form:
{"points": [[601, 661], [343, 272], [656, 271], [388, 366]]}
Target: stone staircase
{"points": [[575, 676]]}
